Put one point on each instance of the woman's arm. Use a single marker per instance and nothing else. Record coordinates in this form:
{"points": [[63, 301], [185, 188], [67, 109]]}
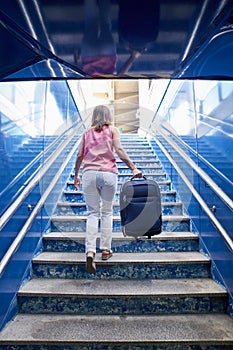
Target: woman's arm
{"points": [[122, 154], [127, 65], [78, 163]]}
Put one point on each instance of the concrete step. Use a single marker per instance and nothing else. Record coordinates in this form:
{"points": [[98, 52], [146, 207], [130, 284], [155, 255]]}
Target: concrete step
{"points": [[135, 144], [69, 208], [123, 265], [147, 170], [144, 168], [157, 332], [141, 163], [160, 176], [138, 147], [166, 241], [141, 157], [128, 297], [71, 223], [134, 151], [164, 186], [156, 174], [71, 195]]}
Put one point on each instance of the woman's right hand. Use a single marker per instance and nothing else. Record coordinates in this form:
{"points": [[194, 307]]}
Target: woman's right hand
{"points": [[137, 172]]}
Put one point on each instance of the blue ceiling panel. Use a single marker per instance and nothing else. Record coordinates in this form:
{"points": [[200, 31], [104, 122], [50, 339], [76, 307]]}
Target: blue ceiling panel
{"points": [[214, 61]]}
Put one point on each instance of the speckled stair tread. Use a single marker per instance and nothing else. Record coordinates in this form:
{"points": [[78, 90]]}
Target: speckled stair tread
{"points": [[69, 191], [196, 286], [166, 241], [71, 204], [166, 257], [118, 235], [64, 218], [74, 329]]}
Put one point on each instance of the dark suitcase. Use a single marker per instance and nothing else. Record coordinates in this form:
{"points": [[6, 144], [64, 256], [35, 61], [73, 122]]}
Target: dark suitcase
{"points": [[140, 208]]}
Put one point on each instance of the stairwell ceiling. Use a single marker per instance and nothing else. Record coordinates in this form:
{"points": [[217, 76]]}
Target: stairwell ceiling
{"points": [[43, 38]]}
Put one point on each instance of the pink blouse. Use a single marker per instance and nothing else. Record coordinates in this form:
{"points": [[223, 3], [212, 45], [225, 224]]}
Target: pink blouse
{"points": [[98, 150]]}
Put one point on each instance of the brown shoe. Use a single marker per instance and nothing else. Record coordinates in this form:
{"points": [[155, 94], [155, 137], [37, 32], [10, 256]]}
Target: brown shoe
{"points": [[90, 263], [106, 254]]}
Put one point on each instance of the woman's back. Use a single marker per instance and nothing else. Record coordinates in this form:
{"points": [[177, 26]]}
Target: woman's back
{"points": [[98, 150]]}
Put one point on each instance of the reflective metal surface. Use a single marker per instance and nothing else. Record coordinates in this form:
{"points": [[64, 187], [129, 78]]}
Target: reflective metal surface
{"points": [[152, 38]]}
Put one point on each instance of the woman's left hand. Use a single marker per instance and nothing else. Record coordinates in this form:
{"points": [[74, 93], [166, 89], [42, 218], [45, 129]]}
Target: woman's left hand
{"points": [[76, 182]]}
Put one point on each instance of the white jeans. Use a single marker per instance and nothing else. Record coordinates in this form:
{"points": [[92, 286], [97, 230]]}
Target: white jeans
{"points": [[99, 188]]}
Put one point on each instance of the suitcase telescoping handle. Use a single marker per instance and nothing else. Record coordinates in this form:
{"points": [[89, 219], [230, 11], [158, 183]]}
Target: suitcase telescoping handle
{"points": [[138, 178]]}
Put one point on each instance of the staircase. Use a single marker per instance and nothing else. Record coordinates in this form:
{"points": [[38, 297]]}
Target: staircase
{"points": [[18, 165], [152, 294]]}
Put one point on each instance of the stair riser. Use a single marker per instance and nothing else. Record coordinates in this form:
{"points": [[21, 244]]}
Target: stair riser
{"points": [[153, 174], [119, 271], [139, 158], [126, 171], [82, 210], [100, 305], [160, 176], [146, 170], [135, 151], [134, 145], [140, 163], [121, 246], [78, 197], [80, 225], [163, 185]]}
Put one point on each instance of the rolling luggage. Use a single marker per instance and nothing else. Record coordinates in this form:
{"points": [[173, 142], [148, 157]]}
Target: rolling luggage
{"points": [[140, 208]]}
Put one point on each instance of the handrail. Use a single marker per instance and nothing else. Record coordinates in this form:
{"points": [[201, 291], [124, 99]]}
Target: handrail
{"points": [[10, 211], [216, 128], [5, 260], [219, 121], [202, 173], [35, 160], [207, 179], [10, 125]]}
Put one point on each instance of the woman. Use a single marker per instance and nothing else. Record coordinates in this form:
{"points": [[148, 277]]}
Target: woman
{"points": [[99, 180]]}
